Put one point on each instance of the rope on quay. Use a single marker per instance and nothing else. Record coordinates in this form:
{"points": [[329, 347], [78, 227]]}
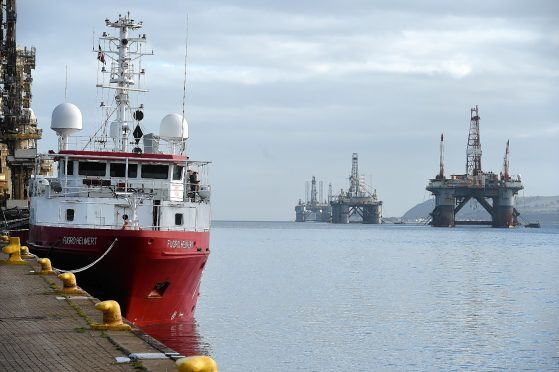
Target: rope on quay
{"points": [[93, 263]]}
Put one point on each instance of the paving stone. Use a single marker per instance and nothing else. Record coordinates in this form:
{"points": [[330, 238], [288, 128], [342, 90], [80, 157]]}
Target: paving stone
{"points": [[40, 332]]}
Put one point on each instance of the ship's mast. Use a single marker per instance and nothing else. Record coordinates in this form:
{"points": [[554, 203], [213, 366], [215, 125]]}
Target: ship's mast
{"points": [[473, 151], [123, 51]]}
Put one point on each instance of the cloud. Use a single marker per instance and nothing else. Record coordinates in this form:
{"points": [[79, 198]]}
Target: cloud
{"points": [[291, 89]]}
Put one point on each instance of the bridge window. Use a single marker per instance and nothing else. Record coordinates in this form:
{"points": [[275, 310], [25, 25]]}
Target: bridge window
{"points": [[119, 169], [70, 167], [132, 170], [177, 172], [92, 168], [178, 219], [155, 171]]}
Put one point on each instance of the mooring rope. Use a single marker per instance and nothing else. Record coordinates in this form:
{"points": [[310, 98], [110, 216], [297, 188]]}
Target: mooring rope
{"points": [[91, 264]]}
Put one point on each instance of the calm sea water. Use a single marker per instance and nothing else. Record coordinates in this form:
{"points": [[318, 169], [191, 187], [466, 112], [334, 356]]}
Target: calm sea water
{"points": [[279, 296]]}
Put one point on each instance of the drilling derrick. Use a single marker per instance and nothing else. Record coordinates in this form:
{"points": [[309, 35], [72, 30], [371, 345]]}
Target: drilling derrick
{"points": [[315, 209], [18, 124], [473, 151], [313, 191], [357, 202], [354, 188], [452, 194]]}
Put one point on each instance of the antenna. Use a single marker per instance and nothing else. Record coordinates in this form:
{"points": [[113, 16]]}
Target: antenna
{"points": [[66, 85], [184, 79]]}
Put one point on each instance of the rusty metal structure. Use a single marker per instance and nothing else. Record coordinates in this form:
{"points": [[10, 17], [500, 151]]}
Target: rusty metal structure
{"points": [[495, 193], [18, 125]]}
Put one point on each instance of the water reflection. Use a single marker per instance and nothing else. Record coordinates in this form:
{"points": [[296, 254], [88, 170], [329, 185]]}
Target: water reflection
{"points": [[182, 337]]}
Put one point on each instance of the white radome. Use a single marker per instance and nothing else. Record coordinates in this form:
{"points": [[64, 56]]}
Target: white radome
{"points": [[66, 119], [173, 126]]}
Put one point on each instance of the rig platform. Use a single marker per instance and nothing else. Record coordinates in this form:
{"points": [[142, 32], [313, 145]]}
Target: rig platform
{"points": [[495, 193], [358, 202], [313, 209]]}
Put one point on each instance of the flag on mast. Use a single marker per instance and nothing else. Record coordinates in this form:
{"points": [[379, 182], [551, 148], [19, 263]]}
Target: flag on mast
{"points": [[101, 55]]}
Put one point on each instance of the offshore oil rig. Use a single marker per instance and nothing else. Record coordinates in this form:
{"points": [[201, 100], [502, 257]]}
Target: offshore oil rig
{"points": [[451, 194], [313, 209], [18, 125], [358, 203]]}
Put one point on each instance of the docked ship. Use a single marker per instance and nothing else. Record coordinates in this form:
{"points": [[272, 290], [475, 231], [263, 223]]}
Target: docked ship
{"points": [[127, 212]]}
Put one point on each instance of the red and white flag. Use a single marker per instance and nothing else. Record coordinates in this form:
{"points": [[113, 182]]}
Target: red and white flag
{"points": [[101, 55]]}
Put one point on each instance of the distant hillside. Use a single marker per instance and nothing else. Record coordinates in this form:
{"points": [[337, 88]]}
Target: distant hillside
{"points": [[544, 209]]}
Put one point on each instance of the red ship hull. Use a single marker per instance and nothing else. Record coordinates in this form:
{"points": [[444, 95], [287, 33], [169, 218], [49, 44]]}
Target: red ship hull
{"points": [[154, 275]]}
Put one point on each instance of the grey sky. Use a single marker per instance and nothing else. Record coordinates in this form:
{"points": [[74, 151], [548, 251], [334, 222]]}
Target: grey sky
{"points": [[280, 91]]}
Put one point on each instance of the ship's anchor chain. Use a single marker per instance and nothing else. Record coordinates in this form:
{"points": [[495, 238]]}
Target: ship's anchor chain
{"points": [[93, 263]]}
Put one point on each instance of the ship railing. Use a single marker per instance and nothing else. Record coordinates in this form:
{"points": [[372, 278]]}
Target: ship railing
{"points": [[148, 144], [106, 188]]}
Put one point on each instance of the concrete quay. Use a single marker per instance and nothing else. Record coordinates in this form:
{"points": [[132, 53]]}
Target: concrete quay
{"points": [[41, 329]]}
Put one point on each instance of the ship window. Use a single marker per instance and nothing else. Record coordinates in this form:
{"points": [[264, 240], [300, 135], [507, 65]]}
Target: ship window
{"points": [[70, 168], [156, 171], [132, 170], [69, 214], [92, 168], [118, 169], [178, 219], [177, 172]]}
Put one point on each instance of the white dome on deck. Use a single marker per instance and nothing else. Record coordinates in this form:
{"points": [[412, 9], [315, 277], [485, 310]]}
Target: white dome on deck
{"points": [[66, 119], [173, 126]]}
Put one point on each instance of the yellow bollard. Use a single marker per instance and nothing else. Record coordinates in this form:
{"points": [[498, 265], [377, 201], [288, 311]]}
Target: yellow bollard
{"points": [[24, 252], [112, 318], [69, 285], [198, 363], [46, 267], [4, 239], [13, 250]]}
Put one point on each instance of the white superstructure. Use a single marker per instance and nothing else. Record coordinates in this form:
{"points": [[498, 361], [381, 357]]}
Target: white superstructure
{"points": [[121, 178]]}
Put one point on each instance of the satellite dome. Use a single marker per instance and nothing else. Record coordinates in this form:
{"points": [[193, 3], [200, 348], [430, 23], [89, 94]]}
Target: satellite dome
{"points": [[173, 126], [66, 119]]}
